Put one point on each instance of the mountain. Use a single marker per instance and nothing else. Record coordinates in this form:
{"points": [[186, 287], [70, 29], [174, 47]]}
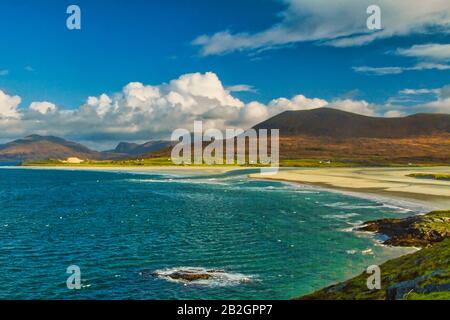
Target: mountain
{"points": [[312, 134], [326, 133], [329, 133], [133, 149], [36, 147], [326, 122]]}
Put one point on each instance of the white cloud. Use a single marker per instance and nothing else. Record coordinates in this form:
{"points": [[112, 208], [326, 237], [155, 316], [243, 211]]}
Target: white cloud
{"points": [[441, 105], [4, 72], [43, 107], [336, 23], [419, 91], [143, 112], [355, 106], [394, 114], [298, 102], [380, 71], [241, 88], [8, 106], [431, 51], [444, 92]]}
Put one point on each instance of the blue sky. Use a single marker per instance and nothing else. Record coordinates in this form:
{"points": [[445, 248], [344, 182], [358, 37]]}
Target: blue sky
{"points": [[154, 42]]}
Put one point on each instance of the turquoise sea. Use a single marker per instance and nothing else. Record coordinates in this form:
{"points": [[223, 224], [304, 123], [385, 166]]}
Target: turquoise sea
{"points": [[272, 240]]}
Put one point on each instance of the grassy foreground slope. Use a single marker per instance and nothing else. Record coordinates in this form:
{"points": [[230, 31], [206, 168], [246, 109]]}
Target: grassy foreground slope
{"points": [[422, 275]]}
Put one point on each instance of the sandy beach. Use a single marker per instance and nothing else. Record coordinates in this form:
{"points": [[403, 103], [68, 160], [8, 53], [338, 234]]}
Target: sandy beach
{"points": [[391, 182]]}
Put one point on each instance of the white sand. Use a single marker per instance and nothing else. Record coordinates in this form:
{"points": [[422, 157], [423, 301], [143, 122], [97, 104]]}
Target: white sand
{"points": [[384, 181]]}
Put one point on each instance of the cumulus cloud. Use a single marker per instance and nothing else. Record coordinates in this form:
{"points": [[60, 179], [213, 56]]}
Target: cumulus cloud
{"points": [[408, 101], [441, 105], [8, 106], [355, 106], [394, 114], [298, 102], [142, 112], [43, 107], [336, 23]]}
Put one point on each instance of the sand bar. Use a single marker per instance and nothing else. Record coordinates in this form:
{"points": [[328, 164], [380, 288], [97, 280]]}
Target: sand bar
{"points": [[392, 182]]}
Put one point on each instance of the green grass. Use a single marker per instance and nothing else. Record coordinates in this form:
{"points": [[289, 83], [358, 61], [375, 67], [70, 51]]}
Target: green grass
{"points": [[162, 161], [438, 221], [432, 261], [443, 295], [312, 163], [397, 270], [435, 176]]}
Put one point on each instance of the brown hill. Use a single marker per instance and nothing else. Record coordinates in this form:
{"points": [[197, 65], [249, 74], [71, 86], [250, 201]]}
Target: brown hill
{"points": [[35, 147], [333, 134], [134, 149], [337, 124]]}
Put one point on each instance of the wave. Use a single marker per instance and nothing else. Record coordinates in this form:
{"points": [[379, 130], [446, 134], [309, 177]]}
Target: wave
{"points": [[347, 206], [187, 181], [201, 276], [341, 216]]}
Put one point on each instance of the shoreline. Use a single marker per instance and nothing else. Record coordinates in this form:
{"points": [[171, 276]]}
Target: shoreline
{"points": [[421, 275], [339, 178], [191, 170], [390, 183]]}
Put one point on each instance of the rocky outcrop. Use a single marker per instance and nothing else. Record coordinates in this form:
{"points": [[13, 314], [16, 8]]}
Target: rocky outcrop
{"points": [[424, 274], [417, 231], [200, 276]]}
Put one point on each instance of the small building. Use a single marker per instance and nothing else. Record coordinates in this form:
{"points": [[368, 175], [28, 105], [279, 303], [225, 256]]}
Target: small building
{"points": [[73, 160]]}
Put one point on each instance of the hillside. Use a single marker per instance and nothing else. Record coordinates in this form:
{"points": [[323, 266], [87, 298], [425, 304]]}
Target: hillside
{"points": [[134, 149], [338, 135], [421, 275], [337, 124], [35, 147], [328, 133], [313, 135]]}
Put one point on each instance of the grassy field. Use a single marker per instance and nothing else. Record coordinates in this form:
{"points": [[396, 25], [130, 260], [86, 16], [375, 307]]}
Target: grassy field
{"points": [[435, 176], [309, 162]]}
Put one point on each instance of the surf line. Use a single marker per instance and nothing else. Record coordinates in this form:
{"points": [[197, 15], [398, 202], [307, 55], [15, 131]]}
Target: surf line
{"points": [[194, 311]]}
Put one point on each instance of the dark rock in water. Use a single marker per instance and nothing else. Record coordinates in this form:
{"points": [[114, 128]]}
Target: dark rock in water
{"points": [[190, 276], [424, 274], [419, 231]]}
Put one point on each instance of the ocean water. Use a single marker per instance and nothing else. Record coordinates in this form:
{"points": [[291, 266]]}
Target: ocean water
{"points": [[272, 240]]}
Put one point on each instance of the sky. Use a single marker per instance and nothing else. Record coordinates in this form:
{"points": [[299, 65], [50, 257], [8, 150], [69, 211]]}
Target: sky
{"points": [[137, 70]]}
